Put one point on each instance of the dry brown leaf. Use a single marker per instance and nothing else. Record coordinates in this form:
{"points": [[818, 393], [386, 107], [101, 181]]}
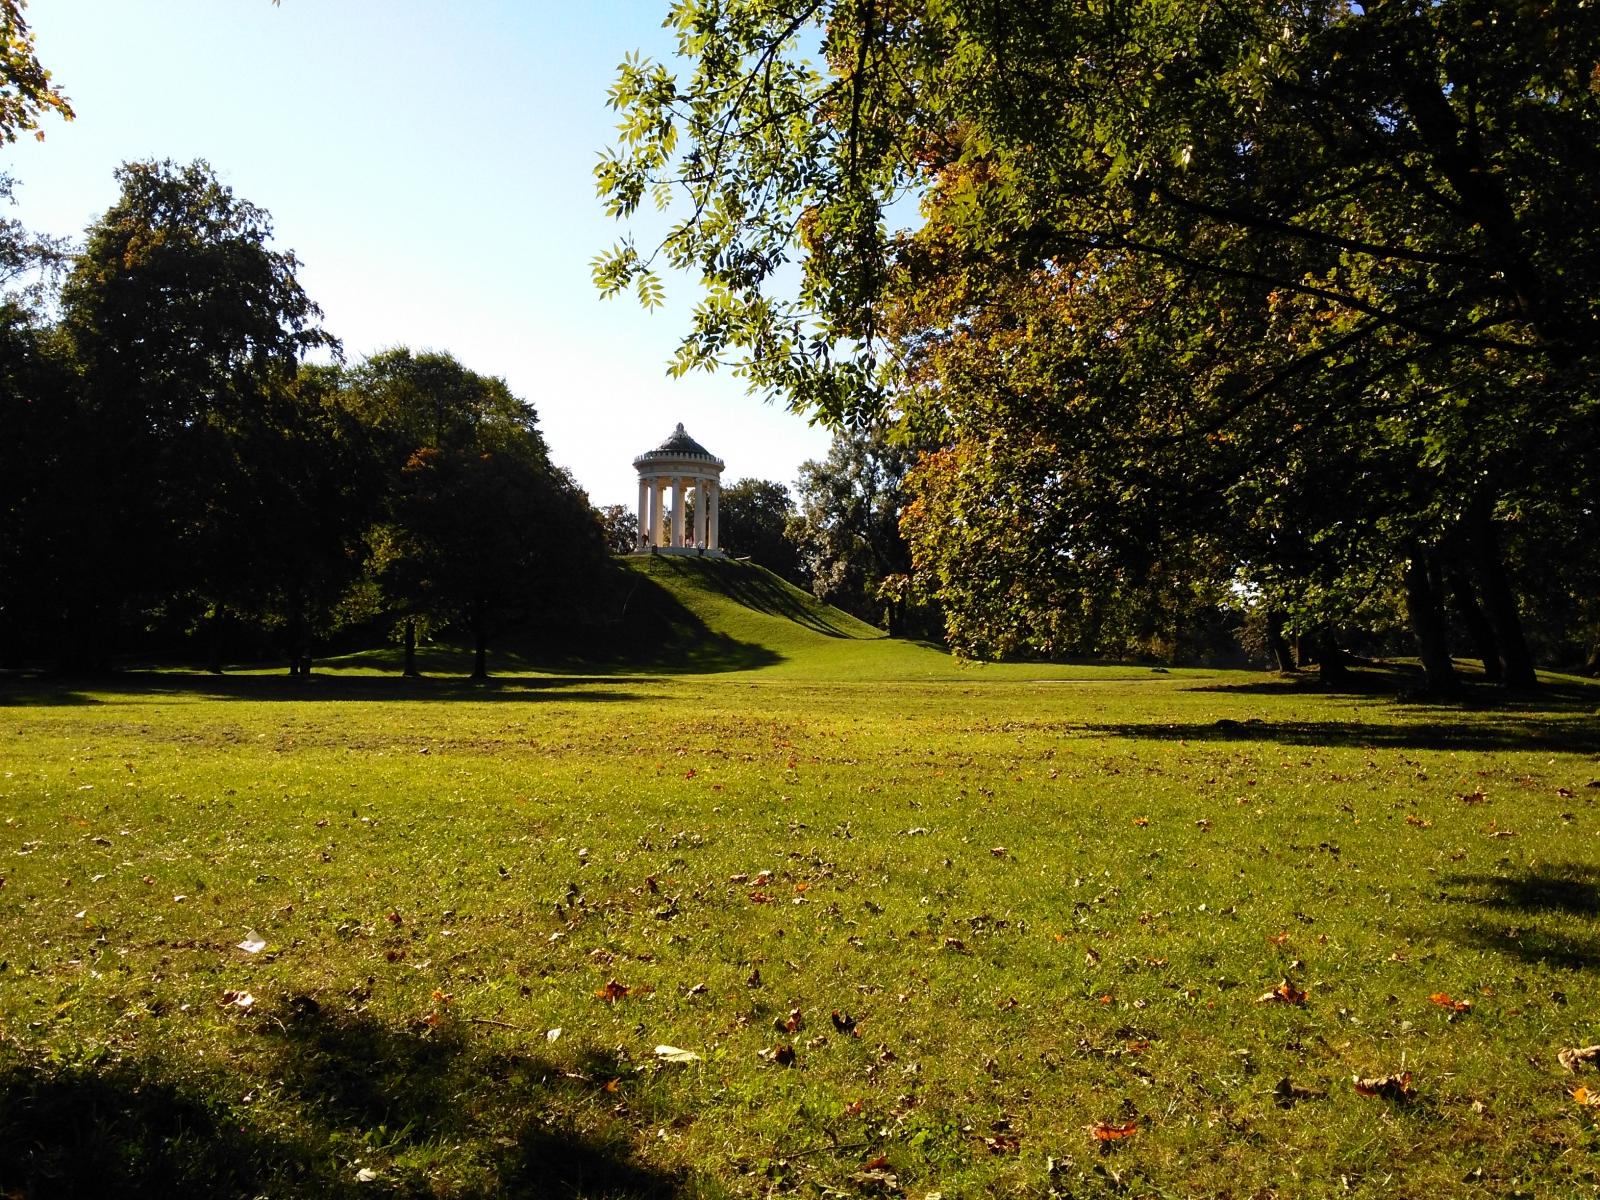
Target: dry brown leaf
{"points": [[1586, 1098], [1141, 822], [1284, 993], [1443, 1000], [613, 991], [1107, 1131], [1576, 1056], [1388, 1087]]}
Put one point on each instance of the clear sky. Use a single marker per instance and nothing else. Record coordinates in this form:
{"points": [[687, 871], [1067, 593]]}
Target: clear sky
{"points": [[431, 166]]}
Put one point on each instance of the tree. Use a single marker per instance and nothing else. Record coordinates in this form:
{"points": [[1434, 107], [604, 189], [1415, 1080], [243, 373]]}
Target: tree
{"points": [[753, 519], [188, 329], [1391, 196], [849, 527], [621, 526], [479, 531], [26, 91]]}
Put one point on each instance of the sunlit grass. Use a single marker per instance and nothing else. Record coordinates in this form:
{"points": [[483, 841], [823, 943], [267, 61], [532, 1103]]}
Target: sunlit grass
{"points": [[1045, 905]]}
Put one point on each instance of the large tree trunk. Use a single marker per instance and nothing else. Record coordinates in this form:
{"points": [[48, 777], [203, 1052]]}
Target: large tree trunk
{"points": [[1477, 625], [1500, 602], [1276, 642], [411, 671], [1426, 614], [1322, 647], [480, 637]]}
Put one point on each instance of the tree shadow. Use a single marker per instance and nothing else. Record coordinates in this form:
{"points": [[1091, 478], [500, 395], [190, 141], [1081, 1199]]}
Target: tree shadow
{"points": [[1404, 682], [319, 686], [1520, 915], [1545, 733], [427, 1111]]}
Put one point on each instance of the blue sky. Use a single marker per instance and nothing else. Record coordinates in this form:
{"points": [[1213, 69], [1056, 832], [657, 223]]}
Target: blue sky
{"points": [[430, 164]]}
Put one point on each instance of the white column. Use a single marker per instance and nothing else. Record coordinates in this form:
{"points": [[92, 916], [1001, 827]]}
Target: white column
{"points": [[677, 510], [655, 510], [701, 510], [642, 541], [714, 506]]}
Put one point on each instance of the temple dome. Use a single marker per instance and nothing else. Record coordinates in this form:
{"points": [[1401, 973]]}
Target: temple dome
{"points": [[678, 445]]}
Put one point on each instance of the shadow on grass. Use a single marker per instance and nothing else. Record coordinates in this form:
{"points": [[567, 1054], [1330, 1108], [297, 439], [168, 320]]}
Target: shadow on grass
{"points": [[1520, 914], [761, 591], [324, 686], [427, 1113], [1545, 733]]}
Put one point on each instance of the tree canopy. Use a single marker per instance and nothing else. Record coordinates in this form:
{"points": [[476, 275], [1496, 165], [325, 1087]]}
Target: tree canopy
{"points": [[1305, 293]]}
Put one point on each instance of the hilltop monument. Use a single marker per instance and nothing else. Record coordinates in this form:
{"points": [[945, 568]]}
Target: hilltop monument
{"points": [[680, 465]]}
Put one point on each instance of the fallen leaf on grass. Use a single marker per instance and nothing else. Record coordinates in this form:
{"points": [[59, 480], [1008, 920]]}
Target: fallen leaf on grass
{"points": [[1472, 797], [845, 1023], [1443, 1000], [1284, 993], [1388, 1087], [760, 897], [793, 1023], [1576, 1056], [782, 1055], [613, 991], [1278, 939], [1141, 822], [243, 1001], [1417, 822], [998, 851], [1003, 1143], [1586, 1098], [553, 1035], [672, 1054], [956, 944], [1107, 1131]]}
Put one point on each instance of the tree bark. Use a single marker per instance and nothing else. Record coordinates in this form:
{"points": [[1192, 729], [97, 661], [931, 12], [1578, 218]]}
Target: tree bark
{"points": [[1277, 643], [214, 641], [411, 671], [480, 636], [1500, 602], [1332, 668], [1478, 627], [1426, 615]]}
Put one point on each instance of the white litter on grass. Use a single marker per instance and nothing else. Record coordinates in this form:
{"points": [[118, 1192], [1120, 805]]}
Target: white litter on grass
{"points": [[366, 1175], [253, 943], [672, 1054], [552, 1035]]}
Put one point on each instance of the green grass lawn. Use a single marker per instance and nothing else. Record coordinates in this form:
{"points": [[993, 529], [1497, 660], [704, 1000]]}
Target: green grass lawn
{"points": [[1041, 901]]}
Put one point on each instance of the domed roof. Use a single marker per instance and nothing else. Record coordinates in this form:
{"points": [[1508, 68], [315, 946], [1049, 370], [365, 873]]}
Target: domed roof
{"points": [[678, 445]]}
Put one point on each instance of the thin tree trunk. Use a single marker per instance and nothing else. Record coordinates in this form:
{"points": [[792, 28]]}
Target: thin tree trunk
{"points": [[214, 640], [1500, 602], [1276, 642], [1477, 625], [1426, 615], [480, 653], [1331, 665], [411, 671]]}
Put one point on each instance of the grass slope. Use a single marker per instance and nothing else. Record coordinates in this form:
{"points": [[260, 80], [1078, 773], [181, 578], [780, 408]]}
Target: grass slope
{"points": [[1041, 901]]}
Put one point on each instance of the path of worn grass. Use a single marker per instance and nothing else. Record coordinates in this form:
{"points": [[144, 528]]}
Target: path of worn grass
{"points": [[1043, 906]]}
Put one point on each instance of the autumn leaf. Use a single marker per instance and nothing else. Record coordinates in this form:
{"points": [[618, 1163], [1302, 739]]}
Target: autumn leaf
{"points": [[1586, 1098], [845, 1023], [782, 1055], [613, 991], [1576, 1056], [1284, 993], [760, 897], [1278, 939], [1473, 797], [1443, 1000], [1107, 1131], [1003, 1143], [1388, 1087], [802, 887], [1141, 822], [1417, 822]]}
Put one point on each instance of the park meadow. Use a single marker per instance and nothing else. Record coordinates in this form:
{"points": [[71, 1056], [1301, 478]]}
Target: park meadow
{"points": [[855, 919]]}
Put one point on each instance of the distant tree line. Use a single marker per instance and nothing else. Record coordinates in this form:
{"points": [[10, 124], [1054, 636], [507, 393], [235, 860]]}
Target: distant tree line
{"points": [[188, 464]]}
